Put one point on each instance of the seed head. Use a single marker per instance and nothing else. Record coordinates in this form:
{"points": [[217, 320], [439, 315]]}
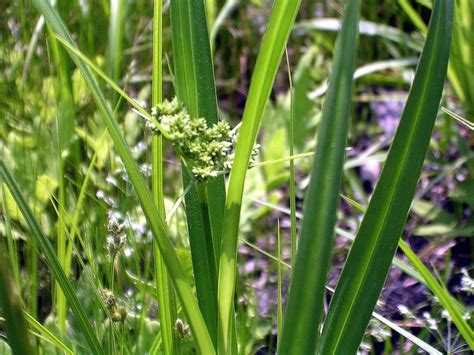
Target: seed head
{"points": [[118, 314], [207, 150], [108, 298], [182, 329]]}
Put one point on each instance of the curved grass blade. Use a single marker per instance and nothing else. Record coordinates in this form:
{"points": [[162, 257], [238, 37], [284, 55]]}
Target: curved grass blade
{"points": [[273, 45], [157, 225], [367, 265], [442, 294], [51, 260], [317, 232], [46, 334]]}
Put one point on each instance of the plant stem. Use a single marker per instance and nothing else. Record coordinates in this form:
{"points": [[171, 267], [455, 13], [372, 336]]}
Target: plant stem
{"points": [[166, 298], [61, 247]]}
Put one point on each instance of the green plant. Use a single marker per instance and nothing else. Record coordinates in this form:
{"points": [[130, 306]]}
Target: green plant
{"points": [[193, 276]]}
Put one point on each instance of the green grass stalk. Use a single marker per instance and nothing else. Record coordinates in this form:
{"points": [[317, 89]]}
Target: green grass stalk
{"points": [[166, 298]]}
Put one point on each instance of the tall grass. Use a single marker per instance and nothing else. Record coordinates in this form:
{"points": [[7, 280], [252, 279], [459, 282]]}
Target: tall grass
{"points": [[213, 215]]}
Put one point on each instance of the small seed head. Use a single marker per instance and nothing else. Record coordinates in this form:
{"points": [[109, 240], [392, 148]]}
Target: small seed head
{"points": [[119, 314], [182, 329]]}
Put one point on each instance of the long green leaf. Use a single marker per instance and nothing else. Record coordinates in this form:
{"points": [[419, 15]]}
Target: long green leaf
{"points": [[157, 225], [367, 265], [65, 130], [460, 70], [271, 51], [317, 232], [454, 309], [166, 296], [51, 260], [17, 332], [47, 334], [195, 86]]}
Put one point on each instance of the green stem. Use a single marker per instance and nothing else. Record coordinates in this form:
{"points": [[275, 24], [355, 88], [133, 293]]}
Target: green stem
{"points": [[61, 247], [292, 167], [166, 297]]}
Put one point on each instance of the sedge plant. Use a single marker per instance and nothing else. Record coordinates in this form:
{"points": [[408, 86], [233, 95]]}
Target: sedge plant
{"points": [[208, 150]]}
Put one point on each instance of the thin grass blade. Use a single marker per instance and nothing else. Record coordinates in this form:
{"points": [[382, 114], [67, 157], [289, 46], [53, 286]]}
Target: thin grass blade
{"points": [[166, 295], [367, 265], [52, 260], [47, 334], [271, 51]]}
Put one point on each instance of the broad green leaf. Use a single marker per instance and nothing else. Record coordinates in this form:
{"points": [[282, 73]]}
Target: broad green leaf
{"points": [[314, 251], [195, 87], [454, 308], [367, 265], [269, 57]]}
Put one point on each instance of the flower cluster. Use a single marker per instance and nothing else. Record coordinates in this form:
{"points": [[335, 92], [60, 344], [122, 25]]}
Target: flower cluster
{"points": [[116, 239], [207, 151], [117, 313]]}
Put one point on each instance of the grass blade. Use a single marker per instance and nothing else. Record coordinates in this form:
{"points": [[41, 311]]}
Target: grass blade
{"points": [[270, 54], [17, 332], [442, 294], [157, 225], [65, 130], [426, 277], [166, 296], [292, 187], [317, 231], [52, 260], [195, 86], [47, 334], [115, 39], [423, 345], [367, 265]]}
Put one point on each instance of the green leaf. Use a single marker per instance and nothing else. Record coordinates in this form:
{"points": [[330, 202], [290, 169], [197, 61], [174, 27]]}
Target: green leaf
{"points": [[423, 275], [10, 302], [195, 87], [367, 266], [269, 57], [317, 232], [47, 334], [157, 225], [51, 260]]}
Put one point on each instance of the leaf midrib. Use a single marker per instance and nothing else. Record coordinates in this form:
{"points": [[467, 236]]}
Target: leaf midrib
{"points": [[393, 190]]}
